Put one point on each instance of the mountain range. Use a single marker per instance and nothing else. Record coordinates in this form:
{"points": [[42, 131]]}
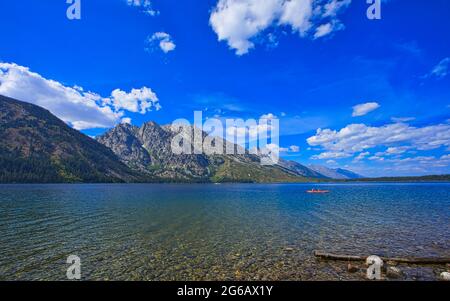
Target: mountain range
{"points": [[147, 149], [336, 174], [37, 147]]}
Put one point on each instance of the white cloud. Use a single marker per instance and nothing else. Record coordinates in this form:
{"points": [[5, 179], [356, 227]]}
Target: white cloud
{"points": [[126, 120], [167, 46], [361, 156], [326, 29], [364, 109], [446, 157], [268, 116], [397, 137], [331, 155], [290, 149], [397, 150], [323, 30], [332, 8], [423, 161], [145, 5], [80, 109], [402, 119], [402, 145], [137, 101], [406, 166], [164, 41], [376, 158], [297, 14], [294, 148], [239, 22], [440, 70]]}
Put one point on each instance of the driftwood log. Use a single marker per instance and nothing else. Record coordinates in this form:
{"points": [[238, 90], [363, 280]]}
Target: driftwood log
{"points": [[330, 256]]}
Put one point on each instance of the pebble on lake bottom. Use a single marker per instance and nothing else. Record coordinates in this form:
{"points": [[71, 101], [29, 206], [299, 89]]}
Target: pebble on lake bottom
{"points": [[445, 276], [351, 268], [392, 263], [394, 273]]}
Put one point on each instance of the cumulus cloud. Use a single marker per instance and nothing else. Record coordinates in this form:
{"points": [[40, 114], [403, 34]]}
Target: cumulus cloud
{"points": [[290, 149], [163, 40], [268, 116], [137, 101], [239, 22], [126, 120], [364, 109], [397, 138], [422, 163], [397, 150], [80, 109], [440, 70], [323, 30], [361, 156]]}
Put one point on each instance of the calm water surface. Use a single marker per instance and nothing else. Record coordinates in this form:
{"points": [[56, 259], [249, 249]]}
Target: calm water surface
{"points": [[217, 232]]}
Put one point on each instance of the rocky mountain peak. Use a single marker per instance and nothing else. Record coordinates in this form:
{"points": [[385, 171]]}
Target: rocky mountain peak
{"points": [[36, 146], [148, 149]]}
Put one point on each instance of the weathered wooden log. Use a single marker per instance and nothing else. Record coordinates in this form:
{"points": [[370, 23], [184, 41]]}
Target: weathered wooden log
{"points": [[330, 256]]}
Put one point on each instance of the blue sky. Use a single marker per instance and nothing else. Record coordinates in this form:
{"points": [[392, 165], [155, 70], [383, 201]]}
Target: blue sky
{"points": [[309, 64]]}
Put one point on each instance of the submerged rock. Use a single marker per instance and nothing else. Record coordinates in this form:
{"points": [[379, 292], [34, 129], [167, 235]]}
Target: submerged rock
{"points": [[394, 273], [445, 276], [352, 269], [392, 263]]}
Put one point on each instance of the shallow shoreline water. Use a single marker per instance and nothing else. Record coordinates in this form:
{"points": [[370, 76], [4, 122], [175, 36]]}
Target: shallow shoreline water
{"points": [[217, 232]]}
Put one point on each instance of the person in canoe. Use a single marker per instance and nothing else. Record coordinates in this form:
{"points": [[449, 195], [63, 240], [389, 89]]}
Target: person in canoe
{"points": [[317, 191]]}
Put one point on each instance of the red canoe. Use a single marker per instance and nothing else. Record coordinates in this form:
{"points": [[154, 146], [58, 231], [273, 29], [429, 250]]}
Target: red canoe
{"points": [[318, 191]]}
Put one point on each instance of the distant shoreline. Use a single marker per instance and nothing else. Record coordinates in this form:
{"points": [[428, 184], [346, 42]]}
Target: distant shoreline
{"points": [[434, 178], [387, 180]]}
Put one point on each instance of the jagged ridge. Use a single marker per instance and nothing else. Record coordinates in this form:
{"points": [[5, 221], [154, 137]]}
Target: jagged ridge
{"points": [[148, 149], [37, 147]]}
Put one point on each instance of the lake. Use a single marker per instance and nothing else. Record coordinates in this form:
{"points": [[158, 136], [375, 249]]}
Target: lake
{"points": [[217, 232]]}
